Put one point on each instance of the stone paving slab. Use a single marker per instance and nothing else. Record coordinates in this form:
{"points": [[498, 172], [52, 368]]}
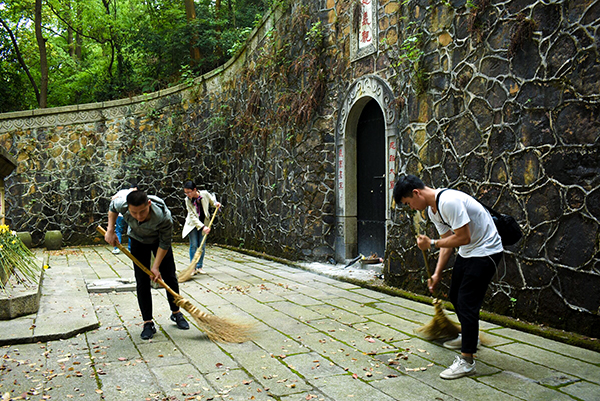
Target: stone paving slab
{"points": [[316, 338], [111, 285], [65, 309]]}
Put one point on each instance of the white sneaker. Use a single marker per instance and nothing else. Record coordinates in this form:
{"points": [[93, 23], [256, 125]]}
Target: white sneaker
{"points": [[459, 368], [116, 251], [457, 343]]}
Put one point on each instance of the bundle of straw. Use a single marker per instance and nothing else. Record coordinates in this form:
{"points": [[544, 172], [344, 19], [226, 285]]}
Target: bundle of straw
{"points": [[189, 271], [440, 326], [16, 259], [216, 328]]}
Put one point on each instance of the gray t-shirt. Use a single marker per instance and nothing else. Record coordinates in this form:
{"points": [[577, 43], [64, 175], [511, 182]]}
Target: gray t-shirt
{"points": [[159, 228], [458, 209]]}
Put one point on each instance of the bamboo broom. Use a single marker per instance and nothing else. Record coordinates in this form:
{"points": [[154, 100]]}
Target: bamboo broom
{"points": [[440, 326], [189, 272], [216, 328]]}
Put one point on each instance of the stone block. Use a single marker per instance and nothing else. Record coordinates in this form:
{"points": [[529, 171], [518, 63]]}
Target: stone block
{"points": [[21, 300]]}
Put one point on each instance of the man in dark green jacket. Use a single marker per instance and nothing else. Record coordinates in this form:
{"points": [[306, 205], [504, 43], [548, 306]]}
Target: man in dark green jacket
{"points": [[151, 232]]}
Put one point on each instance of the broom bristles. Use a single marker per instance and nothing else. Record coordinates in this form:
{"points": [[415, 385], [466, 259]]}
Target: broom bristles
{"points": [[189, 271], [186, 274], [440, 326], [216, 328]]}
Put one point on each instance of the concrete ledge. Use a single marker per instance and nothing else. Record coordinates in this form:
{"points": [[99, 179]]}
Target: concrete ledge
{"points": [[22, 300], [65, 310]]}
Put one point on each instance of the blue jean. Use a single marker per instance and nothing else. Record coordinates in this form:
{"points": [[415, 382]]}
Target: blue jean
{"points": [[195, 240], [120, 228]]}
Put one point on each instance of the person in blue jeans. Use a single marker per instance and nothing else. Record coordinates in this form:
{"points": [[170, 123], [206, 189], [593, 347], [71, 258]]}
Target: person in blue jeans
{"points": [[121, 225], [197, 203], [462, 223]]}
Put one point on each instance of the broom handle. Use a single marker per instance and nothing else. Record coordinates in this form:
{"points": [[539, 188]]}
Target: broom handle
{"points": [[139, 264], [209, 226], [199, 250], [426, 263]]}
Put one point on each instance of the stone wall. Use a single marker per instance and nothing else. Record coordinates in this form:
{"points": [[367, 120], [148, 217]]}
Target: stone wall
{"points": [[505, 106], [497, 98]]}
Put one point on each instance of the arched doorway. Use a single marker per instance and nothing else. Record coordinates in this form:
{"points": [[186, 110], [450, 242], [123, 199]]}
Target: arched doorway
{"points": [[370, 180], [366, 135]]}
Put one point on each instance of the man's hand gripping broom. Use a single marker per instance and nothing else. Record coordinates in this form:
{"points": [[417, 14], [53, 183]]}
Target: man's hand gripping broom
{"points": [[440, 326]]}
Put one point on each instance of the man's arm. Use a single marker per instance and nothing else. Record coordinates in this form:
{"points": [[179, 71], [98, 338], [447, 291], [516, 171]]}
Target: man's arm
{"points": [[165, 238], [212, 200], [160, 255], [449, 241], [111, 236], [461, 236], [442, 261]]}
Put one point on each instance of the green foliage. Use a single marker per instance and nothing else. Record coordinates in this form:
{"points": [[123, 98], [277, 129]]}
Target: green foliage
{"points": [[409, 55], [102, 50], [295, 76], [315, 36], [16, 259], [238, 38]]}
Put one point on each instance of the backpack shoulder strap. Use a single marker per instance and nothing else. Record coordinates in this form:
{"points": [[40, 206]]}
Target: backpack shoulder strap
{"points": [[437, 205], [489, 209]]}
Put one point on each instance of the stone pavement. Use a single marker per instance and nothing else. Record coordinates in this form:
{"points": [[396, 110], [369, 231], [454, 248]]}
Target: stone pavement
{"points": [[317, 338]]}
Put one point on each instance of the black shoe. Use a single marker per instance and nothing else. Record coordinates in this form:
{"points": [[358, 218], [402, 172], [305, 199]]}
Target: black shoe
{"points": [[180, 320], [149, 331]]}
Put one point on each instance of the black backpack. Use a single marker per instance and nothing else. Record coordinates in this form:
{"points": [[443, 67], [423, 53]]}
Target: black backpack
{"points": [[508, 228]]}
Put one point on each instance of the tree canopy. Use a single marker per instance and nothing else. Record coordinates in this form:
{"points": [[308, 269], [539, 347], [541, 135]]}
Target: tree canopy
{"points": [[98, 50]]}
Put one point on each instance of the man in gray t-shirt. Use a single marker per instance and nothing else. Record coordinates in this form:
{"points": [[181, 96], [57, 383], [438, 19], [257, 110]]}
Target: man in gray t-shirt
{"points": [[463, 223], [151, 232]]}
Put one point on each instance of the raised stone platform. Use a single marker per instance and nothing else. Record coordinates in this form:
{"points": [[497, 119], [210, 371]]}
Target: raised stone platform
{"points": [[20, 299], [65, 310]]}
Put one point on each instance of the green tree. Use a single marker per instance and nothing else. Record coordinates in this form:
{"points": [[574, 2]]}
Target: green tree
{"points": [[97, 50]]}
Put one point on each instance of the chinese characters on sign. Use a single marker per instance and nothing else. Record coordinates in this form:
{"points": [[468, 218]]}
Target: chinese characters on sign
{"points": [[340, 176], [392, 163], [365, 32]]}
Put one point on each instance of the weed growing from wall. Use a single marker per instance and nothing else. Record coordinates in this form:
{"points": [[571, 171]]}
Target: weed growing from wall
{"points": [[522, 33], [284, 84], [408, 56], [478, 26]]}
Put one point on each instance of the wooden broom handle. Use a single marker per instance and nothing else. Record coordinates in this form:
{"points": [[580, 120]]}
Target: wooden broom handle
{"points": [[140, 265], [209, 226], [427, 266], [198, 253], [426, 263]]}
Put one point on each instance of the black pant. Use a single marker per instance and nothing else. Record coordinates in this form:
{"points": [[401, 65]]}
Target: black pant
{"points": [[470, 280], [142, 252]]}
